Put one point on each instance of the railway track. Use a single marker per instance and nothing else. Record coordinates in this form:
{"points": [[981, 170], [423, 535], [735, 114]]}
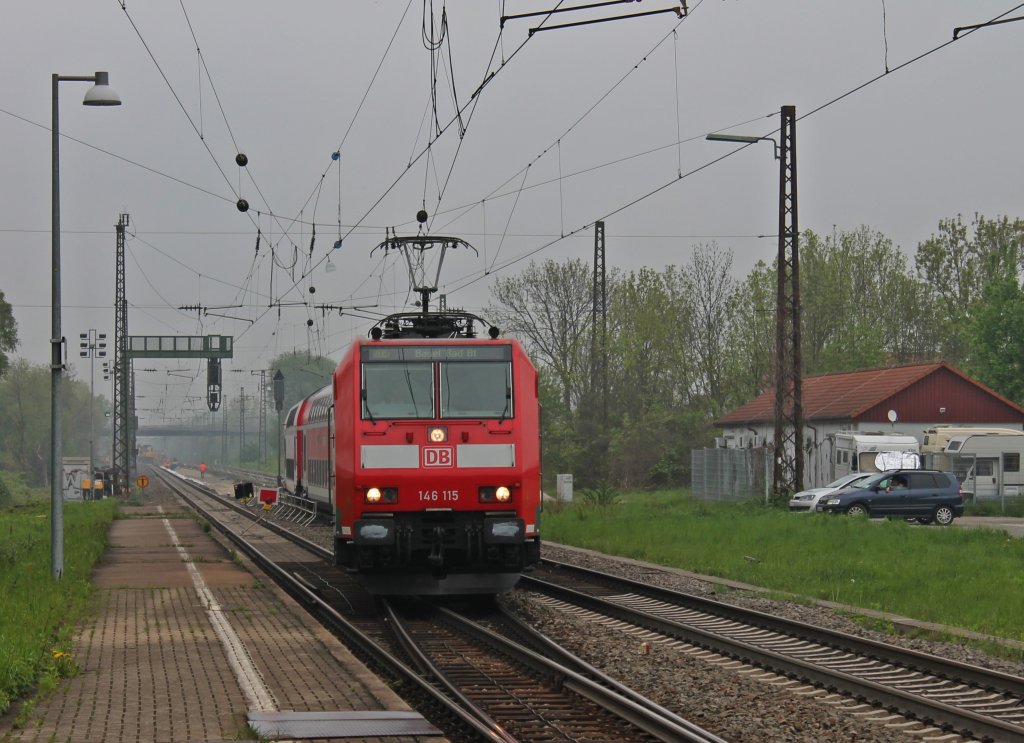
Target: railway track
{"points": [[956, 697], [466, 678]]}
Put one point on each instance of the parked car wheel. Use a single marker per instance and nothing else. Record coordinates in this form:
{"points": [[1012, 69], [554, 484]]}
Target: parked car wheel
{"points": [[857, 509], [944, 515]]}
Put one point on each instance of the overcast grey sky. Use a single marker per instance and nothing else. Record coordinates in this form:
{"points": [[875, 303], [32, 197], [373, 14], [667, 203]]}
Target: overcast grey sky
{"points": [[575, 125]]}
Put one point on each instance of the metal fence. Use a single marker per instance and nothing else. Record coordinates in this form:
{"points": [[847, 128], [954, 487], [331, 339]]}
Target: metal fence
{"points": [[731, 474], [994, 484]]}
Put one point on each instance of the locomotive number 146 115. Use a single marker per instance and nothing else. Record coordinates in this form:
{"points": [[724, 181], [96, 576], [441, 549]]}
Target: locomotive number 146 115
{"points": [[439, 495]]}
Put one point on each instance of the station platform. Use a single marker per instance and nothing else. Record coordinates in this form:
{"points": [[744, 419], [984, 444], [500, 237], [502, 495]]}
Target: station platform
{"points": [[188, 643]]}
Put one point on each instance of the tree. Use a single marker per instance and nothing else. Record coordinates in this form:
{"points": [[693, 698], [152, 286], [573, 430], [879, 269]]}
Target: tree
{"points": [[647, 371], [8, 333], [996, 338], [25, 421], [750, 363], [549, 308], [957, 266], [303, 375], [705, 289]]}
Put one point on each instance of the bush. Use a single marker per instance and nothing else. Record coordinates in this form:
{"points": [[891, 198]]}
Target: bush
{"points": [[13, 490], [604, 495]]}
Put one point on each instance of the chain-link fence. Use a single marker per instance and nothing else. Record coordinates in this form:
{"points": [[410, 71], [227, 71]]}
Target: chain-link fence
{"points": [[731, 474]]}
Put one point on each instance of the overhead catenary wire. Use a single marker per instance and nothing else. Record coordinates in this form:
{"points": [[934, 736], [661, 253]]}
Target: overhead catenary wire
{"points": [[632, 202], [471, 279]]}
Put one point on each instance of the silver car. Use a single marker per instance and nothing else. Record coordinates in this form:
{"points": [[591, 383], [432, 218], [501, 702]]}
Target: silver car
{"points": [[807, 500]]}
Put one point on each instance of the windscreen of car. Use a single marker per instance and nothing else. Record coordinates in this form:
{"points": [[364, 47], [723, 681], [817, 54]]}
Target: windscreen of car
{"points": [[398, 390], [471, 389]]}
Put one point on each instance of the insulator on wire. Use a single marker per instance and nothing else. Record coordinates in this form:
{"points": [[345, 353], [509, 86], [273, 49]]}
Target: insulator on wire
{"points": [[241, 159], [258, 236], [243, 205]]}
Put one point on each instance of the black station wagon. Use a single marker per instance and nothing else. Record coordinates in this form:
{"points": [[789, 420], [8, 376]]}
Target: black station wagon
{"points": [[922, 495]]}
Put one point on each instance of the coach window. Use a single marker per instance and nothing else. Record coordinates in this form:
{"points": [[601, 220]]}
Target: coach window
{"points": [[476, 389], [402, 390]]}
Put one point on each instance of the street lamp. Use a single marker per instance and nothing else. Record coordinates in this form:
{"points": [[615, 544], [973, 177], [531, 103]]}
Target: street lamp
{"points": [[742, 139], [91, 345], [100, 94], [788, 469]]}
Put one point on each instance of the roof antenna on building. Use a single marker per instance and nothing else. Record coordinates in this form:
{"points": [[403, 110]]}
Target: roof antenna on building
{"points": [[891, 415]]}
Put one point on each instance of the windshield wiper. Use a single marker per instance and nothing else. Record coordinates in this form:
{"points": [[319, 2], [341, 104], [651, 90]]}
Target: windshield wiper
{"points": [[508, 399], [366, 404]]}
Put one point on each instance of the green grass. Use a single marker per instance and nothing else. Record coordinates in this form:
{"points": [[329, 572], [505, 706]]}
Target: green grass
{"points": [[38, 613], [997, 507], [969, 578]]}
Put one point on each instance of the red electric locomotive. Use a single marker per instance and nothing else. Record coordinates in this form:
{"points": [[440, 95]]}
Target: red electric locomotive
{"points": [[434, 471], [437, 458], [430, 452]]}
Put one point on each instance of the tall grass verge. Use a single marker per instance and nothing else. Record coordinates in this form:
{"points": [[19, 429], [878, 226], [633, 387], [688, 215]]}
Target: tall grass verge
{"points": [[38, 613], [969, 578]]}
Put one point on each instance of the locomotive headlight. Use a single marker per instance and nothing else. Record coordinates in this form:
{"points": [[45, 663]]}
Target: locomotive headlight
{"points": [[438, 434], [381, 495], [492, 494]]}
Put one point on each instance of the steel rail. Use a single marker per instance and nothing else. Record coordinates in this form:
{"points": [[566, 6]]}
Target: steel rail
{"points": [[608, 693], [965, 722], [302, 593], [915, 660]]}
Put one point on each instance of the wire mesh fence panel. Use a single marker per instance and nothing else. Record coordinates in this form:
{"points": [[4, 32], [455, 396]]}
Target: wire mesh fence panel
{"points": [[731, 475], [964, 468]]}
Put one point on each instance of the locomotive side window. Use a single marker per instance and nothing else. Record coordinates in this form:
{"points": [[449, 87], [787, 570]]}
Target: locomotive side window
{"points": [[402, 390], [476, 390]]}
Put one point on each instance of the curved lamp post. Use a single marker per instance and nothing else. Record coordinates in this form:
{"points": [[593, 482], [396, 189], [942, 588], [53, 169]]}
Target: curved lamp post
{"points": [[100, 94], [788, 471]]}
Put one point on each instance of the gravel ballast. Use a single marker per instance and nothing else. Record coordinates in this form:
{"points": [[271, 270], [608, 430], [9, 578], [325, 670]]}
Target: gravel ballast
{"points": [[733, 704]]}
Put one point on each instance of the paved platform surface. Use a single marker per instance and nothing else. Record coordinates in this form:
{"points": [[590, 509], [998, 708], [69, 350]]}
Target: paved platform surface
{"points": [[183, 642]]}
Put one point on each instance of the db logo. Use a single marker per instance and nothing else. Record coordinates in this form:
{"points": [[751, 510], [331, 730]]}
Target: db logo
{"points": [[438, 456]]}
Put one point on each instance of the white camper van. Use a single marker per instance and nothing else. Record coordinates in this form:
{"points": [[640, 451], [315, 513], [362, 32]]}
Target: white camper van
{"points": [[870, 452], [989, 464], [936, 439]]}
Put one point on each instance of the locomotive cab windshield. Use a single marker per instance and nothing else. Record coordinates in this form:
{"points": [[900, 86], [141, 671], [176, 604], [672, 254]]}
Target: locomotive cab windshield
{"points": [[401, 382]]}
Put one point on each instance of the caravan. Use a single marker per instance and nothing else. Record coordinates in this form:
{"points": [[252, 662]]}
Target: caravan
{"points": [[868, 452], [987, 464], [936, 439]]}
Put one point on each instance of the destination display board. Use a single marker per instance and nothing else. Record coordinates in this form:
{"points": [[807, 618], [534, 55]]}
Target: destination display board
{"points": [[371, 354]]}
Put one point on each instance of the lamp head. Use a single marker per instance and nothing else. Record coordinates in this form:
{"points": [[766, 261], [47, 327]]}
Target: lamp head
{"points": [[101, 94], [715, 137]]}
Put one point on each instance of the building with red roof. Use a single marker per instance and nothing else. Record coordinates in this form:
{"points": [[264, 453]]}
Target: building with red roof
{"points": [[897, 400]]}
